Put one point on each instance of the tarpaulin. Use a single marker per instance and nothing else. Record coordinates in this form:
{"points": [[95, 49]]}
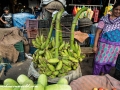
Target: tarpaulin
{"points": [[19, 19]]}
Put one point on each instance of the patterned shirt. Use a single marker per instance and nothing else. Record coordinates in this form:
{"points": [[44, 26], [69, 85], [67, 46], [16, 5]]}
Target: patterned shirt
{"points": [[8, 19], [110, 30]]}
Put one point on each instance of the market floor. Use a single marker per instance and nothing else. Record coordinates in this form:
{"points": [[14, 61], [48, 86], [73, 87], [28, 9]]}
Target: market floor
{"points": [[22, 68]]}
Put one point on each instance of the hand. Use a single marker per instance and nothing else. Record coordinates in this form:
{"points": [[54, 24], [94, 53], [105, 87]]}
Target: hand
{"points": [[95, 49], [5, 22]]}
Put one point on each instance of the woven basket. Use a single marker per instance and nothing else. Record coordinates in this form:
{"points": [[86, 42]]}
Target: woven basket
{"points": [[85, 22], [54, 5]]}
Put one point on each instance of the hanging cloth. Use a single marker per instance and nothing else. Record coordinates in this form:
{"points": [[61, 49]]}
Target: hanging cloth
{"points": [[109, 8], [74, 11], [96, 15], [78, 9], [90, 13]]}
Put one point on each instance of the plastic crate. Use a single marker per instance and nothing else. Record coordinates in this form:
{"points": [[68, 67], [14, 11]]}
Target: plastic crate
{"points": [[31, 24], [21, 57], [32, 33], [66, 39], [66, 32], [43, 24], [117, 74], [44, 31], [67, 20], [19, 46], [66, 23]]}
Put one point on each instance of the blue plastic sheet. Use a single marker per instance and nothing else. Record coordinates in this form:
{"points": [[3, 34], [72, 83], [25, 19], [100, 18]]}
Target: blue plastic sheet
{"points": [[19, 19], [92, 37]]}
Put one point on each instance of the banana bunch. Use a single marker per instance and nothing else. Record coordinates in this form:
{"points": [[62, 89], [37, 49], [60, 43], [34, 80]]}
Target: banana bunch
{"points": [[45, 61]]}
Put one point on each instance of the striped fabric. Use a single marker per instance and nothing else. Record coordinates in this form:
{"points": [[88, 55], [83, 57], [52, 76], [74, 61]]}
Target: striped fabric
{"points": [[89, 82]]}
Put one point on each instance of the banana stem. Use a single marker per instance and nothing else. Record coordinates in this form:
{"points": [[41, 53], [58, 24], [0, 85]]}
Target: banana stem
{"points": [[51, 29], [61, 40], [73, 27], [57, 32]]}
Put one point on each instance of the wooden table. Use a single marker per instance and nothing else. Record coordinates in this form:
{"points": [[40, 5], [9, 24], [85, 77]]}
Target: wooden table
{"points": [[88, 52]]}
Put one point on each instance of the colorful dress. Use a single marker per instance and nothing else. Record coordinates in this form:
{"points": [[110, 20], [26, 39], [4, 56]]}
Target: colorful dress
{"points": [[109, 45]]}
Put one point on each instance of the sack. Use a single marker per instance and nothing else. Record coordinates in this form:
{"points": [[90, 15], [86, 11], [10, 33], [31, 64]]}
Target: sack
{"points": [[72, 75], [81, 37]]}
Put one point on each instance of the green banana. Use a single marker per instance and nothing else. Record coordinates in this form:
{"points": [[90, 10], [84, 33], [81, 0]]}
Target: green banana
{"points": [[74, 67], [70, 52], [48, 55], [53, 42], [53, 61], [66, 52], [67, 45], [73, 59], [61, 47], [43, 46], [51, 67], [37, 56], [67, 62], [38, 41], [40, 57], [52, 76], [62, 75], [41, 52], [76, 46], [56, 73], [42, 38], [48, 73], [53, 49], [33, 56], [67, 68], [75, 55], [36, 51], [35, 44], [79, 51], [59, 66]]}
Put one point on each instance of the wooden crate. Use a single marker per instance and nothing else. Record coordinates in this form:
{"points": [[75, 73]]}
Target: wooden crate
{"points": [[43, 31], [88, 52]]}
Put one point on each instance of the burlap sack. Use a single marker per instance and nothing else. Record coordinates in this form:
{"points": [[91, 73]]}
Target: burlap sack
{"points": [[9, 37], [54, 5], [72, 75], [80, 36]]}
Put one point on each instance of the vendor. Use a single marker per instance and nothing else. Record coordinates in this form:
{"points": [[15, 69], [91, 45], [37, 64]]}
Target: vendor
{"points": [[6, 18], [107, 42]]}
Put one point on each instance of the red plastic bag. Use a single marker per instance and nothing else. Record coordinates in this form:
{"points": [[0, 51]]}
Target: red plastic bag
{"points": [[74, 10]]}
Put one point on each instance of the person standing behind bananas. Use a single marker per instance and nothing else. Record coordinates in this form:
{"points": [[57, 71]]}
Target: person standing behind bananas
{"points": [[107, 42], [6, 18]]}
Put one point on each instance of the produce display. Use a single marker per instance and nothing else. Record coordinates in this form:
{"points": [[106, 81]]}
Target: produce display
{"points": [[24, 83], [55, 57]]}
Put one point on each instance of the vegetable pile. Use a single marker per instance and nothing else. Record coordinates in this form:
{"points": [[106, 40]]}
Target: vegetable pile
{"points": [[24, 83], [55, 57]]}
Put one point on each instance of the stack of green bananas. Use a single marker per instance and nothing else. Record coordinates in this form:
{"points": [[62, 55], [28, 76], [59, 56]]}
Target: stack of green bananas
{"points": [[44, 57]]}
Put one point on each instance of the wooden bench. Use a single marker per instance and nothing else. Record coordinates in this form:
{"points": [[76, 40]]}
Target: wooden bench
{"points": [[88, 52]]}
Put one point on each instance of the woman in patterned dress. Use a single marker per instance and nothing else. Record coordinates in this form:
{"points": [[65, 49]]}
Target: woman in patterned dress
{"points": [[107, 42]]}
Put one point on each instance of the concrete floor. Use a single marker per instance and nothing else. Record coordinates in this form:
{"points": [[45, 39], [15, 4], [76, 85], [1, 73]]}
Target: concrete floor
{"points": [[22, 68]]}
